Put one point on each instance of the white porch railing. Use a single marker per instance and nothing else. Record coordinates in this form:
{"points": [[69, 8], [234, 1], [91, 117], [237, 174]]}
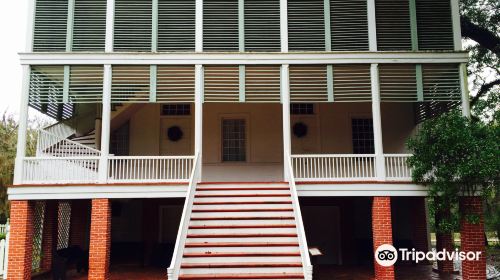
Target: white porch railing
{"points": [[175, 265], [301, 234], [52, 145], [334, 167], [396, 167], [46, 170], [150, 168], [4, 250]]}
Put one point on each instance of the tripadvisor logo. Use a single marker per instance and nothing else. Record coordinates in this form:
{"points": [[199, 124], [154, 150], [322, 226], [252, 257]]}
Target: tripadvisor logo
{"points": [[387, 255]]}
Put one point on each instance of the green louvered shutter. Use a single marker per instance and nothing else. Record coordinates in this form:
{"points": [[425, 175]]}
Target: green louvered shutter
{"points": [[176, 25], [262, 83], [85, 84], [46, 92], [441, 82], [306, 25], [89, 25], [308, 83], [434, 26], [221, 83], [51, 20], [398, 82], [349, 25], [175, 83], [133, 30], [352, 83], [130, 84], [220, 25], [262, 25], [393, 25]]}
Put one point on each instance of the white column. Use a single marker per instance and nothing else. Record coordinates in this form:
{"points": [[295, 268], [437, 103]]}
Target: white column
{"points": [[110, 25], [377, 123], [106, 124], [455, 21], [30, 24], [464, 86], [23, 126], [198, 114], [284, 25], [372, 25], [285, 99], [199, 26]]}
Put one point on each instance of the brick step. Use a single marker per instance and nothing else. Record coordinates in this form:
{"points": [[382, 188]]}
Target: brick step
{"points": [[241, 235], [249, 239], [238, 265], [243, 195], [242, 218], [241, 214], [243, 210], [242, 226], [241, 202], [240, 231], [241, 254], [242, 222], [244, 189], [247, 276], [241, 244]]}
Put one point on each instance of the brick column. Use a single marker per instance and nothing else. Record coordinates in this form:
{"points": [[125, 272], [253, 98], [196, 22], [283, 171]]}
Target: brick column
{"points": [[21, 240], [419, 224], [472, 238], [100, 240], [49, 237], [444, 241], [382, 233]]}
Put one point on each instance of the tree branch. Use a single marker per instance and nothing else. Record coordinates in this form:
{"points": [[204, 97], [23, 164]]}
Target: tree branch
{"points": [[480, 35], [485, 88]]}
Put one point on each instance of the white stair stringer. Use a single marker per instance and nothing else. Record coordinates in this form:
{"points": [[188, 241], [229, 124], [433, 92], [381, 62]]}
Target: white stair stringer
{"points": [[241, 231]]}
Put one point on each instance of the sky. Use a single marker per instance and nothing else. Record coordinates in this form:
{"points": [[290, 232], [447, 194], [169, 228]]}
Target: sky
{"points": [[12, 30]]}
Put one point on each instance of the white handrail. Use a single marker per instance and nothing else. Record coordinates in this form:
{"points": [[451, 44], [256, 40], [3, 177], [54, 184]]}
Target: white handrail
{"points": [[175, 265], [150, 168], [49, 144], [304, 253]]}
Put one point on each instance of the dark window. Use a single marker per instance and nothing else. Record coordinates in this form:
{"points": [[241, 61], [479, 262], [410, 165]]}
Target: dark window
{"points": [[176, 110], [233, 140], [302, 109], [119, 144], [362, 136]]}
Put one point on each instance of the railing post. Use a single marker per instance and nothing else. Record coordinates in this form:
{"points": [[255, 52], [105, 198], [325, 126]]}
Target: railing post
{"points": [[377, 123], [285, 100], [106, 124], [198, 116], [23, 126]]}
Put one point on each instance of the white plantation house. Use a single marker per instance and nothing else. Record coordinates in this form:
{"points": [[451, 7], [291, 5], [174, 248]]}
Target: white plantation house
{"points": [[222, 139]]}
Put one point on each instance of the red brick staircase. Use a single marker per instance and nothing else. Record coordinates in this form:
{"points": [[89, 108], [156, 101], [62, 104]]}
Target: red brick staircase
{"points": [[242, 231]]}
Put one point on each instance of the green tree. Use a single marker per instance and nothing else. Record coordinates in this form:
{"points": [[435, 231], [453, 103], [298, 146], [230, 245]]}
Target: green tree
{"points": [[8, 143], [454, 156]]}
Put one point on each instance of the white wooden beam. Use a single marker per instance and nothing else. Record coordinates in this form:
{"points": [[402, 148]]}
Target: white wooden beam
{"points": [[285, 100], [198, 34], [106, 123], [284, 25], [372, 25], [110, 25], [23, 126], [464, 86], [455, 21], [30, 25], [240, 58], [198, 115], [377, 123]]}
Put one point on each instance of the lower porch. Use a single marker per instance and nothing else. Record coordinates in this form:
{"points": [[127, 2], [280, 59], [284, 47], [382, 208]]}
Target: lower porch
{"points": [[142, 235]]}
